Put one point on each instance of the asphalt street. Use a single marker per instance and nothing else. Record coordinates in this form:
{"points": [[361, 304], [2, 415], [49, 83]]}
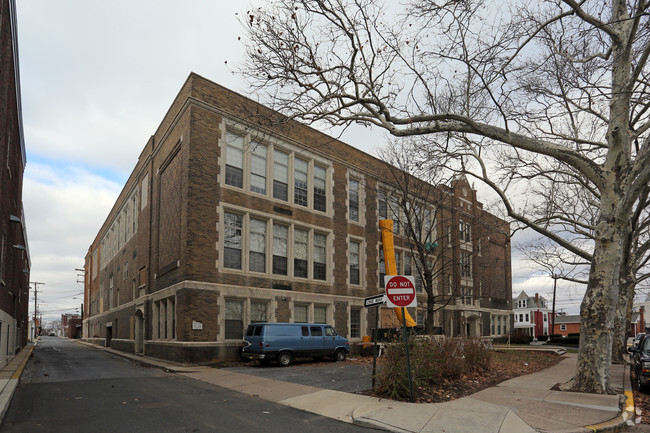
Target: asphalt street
{"points": [[68, 387], [337, 376]]}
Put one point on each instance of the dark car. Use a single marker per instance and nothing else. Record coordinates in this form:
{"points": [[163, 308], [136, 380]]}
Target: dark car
{"points": [[641, 356]]}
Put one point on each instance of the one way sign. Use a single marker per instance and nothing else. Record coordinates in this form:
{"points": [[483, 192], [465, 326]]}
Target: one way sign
{"points": [[374, 300]]}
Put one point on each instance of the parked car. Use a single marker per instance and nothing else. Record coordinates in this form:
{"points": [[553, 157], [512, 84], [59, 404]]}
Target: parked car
{"points": [[286, 341], [635, 342], [641, 357]]}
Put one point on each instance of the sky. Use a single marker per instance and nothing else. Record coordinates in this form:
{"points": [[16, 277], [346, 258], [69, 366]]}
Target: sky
{"points": [[96, 80]]}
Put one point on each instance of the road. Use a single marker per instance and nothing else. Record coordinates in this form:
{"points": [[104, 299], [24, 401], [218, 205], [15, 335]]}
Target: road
{"points": [[69, 387]]}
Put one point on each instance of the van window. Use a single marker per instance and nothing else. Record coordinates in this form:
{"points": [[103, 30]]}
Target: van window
{"points": [[281, 331], [258, 331], [250, 331], [329, 331], [305, 331], [316, 331]]}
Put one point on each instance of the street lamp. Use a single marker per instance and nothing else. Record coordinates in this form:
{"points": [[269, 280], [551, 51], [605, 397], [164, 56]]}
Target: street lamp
{"points": [[20, 247]]}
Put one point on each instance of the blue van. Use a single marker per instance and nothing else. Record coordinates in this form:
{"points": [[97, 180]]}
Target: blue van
{"points": [[286, 341]]}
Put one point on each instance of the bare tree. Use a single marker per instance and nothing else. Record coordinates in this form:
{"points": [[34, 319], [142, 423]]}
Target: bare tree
{"points": [[557, 80], [416, 194]]}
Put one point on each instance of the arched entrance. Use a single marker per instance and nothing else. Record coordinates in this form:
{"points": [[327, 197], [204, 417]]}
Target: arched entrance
{"points": [[139, 331]]}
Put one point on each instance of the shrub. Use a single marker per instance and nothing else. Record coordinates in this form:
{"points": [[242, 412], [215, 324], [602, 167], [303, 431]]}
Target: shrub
{"points": [[555, 336], [432, 360], [542, 338], [574, 334], [518, 337]]}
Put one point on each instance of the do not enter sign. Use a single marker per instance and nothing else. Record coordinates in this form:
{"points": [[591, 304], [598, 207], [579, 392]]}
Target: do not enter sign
{"points": [[400, 291]]}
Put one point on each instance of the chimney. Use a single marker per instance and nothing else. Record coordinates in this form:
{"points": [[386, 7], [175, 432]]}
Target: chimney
{"points": [[537, 300], [641, 319]]}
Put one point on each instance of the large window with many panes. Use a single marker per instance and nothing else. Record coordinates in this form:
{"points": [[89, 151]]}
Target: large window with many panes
{"points": [[275, 171], [247, 238]]}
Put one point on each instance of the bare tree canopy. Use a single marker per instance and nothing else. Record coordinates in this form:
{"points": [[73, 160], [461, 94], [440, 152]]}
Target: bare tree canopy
{"points": [[555, 88]]}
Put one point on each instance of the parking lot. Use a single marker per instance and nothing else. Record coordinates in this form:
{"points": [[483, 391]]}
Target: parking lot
{"points": [[352, 375]]}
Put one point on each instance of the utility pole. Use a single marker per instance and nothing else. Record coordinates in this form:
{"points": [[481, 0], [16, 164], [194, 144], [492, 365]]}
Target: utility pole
{"points": [[35, 283], [553, 312]]}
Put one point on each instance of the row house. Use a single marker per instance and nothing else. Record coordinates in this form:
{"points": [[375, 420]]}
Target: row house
{"points": [[14, 249], [235, 214]]}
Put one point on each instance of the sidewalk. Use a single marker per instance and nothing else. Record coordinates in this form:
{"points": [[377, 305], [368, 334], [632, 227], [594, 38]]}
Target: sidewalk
{"points": [[10, 376], [525, 404]]}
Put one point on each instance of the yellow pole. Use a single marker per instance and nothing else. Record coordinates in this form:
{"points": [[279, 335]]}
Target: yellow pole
{"points": [[386, 227]]}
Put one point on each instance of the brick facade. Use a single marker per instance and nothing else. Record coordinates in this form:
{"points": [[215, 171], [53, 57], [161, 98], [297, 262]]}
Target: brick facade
{"points": [[14, 249], [205, 246]]}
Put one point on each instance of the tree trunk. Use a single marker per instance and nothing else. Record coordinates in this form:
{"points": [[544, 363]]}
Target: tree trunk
{"points": [[598, 308]]}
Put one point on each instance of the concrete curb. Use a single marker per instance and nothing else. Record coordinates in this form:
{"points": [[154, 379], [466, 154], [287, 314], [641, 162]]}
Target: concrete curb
{"points": [[628, 414]]}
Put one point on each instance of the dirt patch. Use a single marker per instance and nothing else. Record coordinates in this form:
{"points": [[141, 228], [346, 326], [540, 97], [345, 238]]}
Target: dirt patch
{"points": [[505, 364]]}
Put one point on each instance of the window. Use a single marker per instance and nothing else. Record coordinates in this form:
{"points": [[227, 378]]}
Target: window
{"points": [[428, 225], [527, 319], [300, 176], [408, 265], [234, 321], [465, 264], [257, 246], [382, 267], [234, 160], [125, 271], [465, 232], [563, 328], [144, 191], [258, 311], [521, 317], [320, 194], [353, 199], [320, 314], [280, 175], [354, 262], [382, 206], [419, 317], [232, 241], [394, 211], [258, 168], [320, 256], [316, 331], [280, 242], [300, 245], [301, 313], [355, 323]]}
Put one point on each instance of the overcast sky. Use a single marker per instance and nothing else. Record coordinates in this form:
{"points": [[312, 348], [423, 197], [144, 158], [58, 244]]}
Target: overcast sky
{"points": [[96, 80]]}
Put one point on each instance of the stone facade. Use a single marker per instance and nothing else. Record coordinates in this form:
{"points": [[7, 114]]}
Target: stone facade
{"points": [[233, 215]]}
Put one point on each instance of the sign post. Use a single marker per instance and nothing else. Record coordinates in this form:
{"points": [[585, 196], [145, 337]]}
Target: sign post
{"points": [[400, 293], [375, 301]]}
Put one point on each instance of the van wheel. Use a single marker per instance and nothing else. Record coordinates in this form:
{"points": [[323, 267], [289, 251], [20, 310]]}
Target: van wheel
{"points": [[339, 355], [284, 359]]}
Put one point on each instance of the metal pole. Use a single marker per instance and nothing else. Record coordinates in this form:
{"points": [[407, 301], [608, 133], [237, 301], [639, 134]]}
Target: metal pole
{"points": [[408, 359], [374, 348]]}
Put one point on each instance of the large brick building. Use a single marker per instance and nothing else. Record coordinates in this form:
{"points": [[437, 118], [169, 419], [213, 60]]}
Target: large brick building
{"points": [[234, 215], [14, 250]]}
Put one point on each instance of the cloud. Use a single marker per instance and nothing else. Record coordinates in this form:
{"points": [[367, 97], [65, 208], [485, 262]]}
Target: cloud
{"points": [[64, 208]]}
